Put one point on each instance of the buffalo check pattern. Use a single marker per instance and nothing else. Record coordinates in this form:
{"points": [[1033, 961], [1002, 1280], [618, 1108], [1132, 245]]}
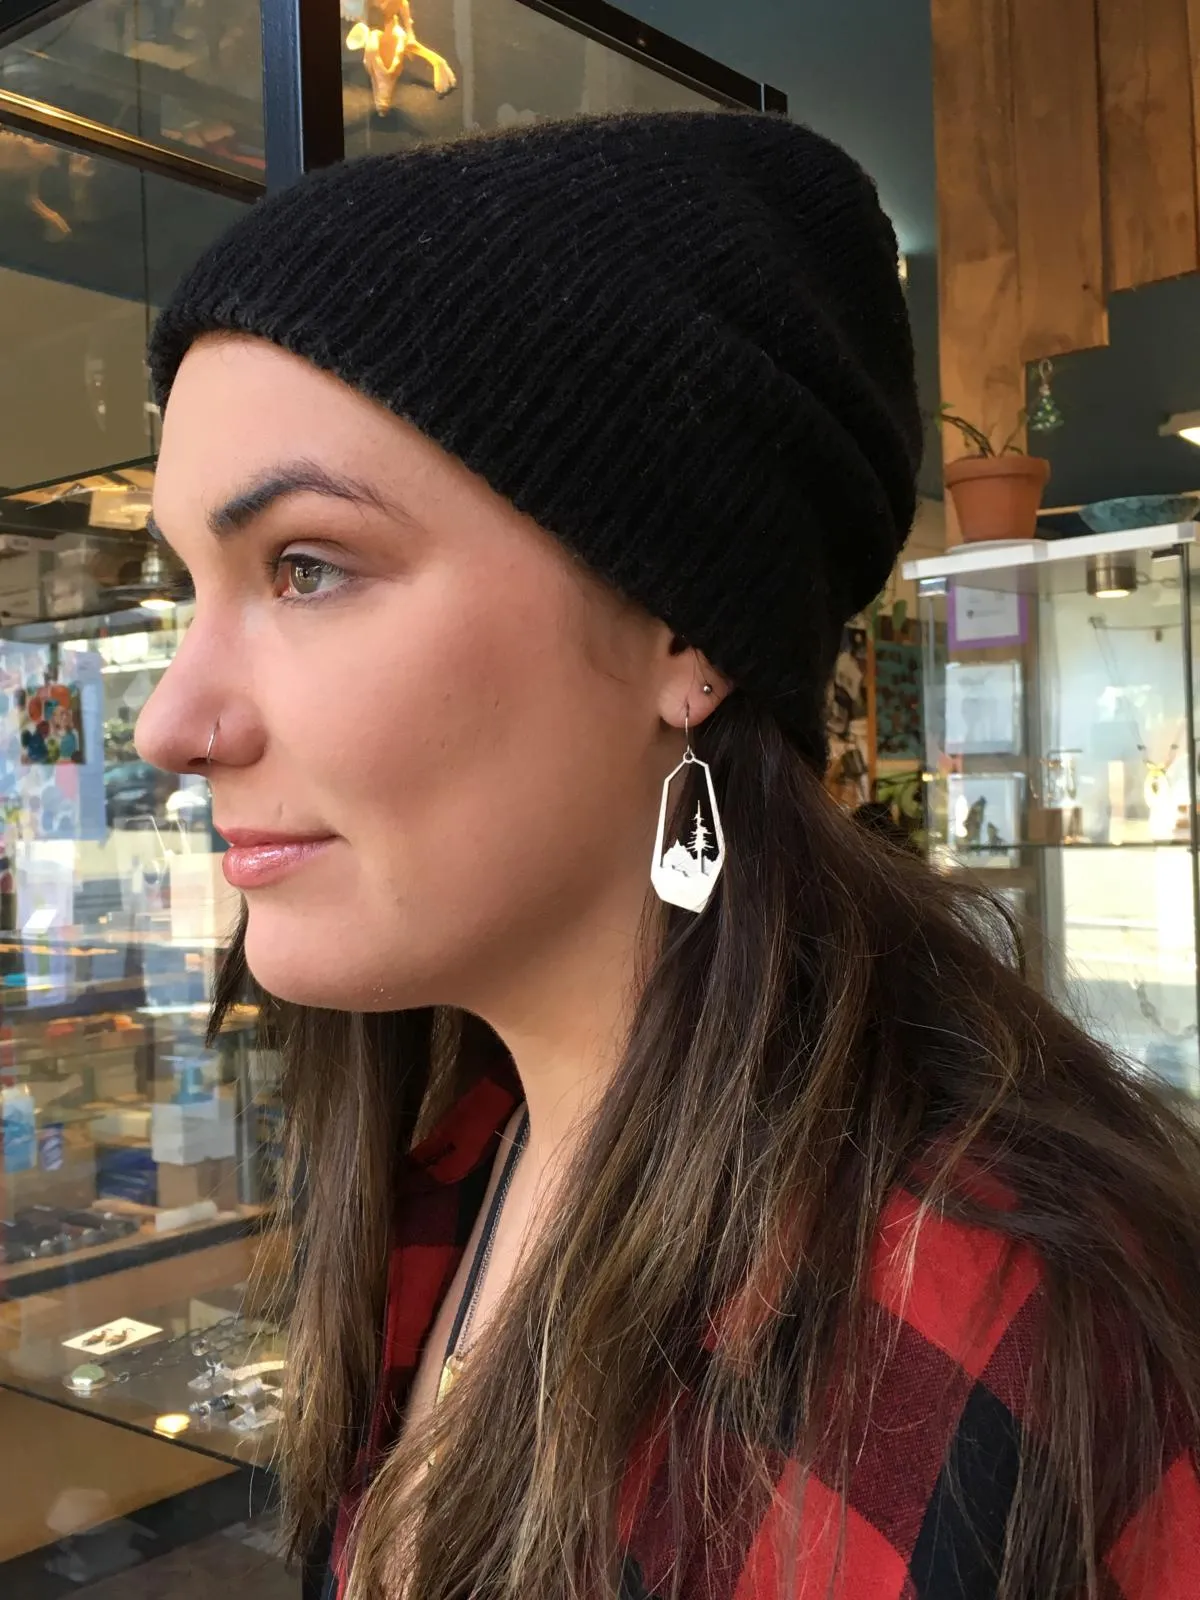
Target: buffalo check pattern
{"points": [[933, 1472]]}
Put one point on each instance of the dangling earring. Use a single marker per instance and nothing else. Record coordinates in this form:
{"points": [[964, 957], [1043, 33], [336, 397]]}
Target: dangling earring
{"points": [[1045, 416], [685, 875]]}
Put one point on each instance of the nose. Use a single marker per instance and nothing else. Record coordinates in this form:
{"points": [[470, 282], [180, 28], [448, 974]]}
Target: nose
{"points": [[195, 720]]}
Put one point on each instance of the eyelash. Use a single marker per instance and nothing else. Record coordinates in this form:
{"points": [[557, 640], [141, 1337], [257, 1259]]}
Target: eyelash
{"points": [[290, 560]]}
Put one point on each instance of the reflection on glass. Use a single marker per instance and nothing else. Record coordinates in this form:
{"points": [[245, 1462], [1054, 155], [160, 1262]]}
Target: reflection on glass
{"points": [[33, 169], [437, 68], [88, 248], [1129, 956], [181, 73]]}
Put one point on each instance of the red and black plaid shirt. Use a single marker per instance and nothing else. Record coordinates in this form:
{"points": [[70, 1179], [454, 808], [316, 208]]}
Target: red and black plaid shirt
{"points": [[946, 1409]]}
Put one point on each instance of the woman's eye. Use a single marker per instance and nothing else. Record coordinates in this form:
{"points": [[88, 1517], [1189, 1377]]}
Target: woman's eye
{"points": [[300, 577]]}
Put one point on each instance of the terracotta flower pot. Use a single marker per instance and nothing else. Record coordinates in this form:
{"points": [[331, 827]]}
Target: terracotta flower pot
{"points": [[997, 497]]}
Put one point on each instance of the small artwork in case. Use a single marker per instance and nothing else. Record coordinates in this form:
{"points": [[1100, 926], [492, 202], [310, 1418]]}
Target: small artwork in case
{"points": [[51, 725]]}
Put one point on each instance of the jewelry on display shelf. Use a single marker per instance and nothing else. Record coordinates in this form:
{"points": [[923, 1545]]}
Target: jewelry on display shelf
{"points": [[252, 1419], [256, 1399], [213, 1373], [1157, 788], [231, 1339], [87, 1378], [213, 1406], [121, 1331]]}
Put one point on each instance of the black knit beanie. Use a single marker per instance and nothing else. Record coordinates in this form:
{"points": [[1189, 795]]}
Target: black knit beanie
{"points": [[677, 340]]}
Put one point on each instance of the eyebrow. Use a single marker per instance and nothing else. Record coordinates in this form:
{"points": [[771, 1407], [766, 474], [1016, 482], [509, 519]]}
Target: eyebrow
{"points": [[295, 477]]}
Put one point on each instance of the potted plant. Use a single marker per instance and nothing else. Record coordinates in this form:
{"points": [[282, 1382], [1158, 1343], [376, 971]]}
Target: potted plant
{"points": [[996, 492]]}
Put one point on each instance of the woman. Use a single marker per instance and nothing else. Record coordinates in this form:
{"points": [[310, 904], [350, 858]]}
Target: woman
{"points": [[787, 1244]]}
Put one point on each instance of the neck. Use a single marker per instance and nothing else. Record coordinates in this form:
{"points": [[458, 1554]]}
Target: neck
{"points": [[564, 1018]]}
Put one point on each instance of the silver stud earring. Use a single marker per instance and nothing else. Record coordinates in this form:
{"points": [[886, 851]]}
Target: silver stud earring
{"points": [[685, 875]]}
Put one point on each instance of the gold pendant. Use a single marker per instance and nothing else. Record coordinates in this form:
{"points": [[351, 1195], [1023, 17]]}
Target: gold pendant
{"points": [[451, 1371]]}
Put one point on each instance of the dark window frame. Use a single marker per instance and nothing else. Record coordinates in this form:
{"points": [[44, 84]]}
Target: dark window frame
{"points": [[302, 87]]}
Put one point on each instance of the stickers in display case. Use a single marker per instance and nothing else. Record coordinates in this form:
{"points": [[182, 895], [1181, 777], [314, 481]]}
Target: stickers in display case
{"points": [[51, 723]]}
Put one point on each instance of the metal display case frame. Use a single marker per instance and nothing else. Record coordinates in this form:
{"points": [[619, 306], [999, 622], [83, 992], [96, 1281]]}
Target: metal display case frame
{"points": [[302, 87]]}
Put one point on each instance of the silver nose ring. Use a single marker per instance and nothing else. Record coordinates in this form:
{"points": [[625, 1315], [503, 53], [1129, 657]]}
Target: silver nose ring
{"points": [[212, 739]]}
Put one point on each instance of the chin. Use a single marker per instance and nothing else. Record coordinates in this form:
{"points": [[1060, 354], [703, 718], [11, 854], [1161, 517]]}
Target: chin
{"points": [[327, 974]]}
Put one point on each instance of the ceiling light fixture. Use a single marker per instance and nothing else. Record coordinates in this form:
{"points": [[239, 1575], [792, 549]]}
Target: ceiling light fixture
{"points": [[1111, 577], [1185, 424], [152, 592]]}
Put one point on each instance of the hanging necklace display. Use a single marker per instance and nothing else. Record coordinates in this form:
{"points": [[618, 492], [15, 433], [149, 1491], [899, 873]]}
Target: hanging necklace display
{"points": [[685, 875], [1157, 788], [456, 1345]]}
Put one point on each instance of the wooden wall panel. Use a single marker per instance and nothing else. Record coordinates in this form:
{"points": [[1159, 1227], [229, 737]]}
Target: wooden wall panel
{"points": [[979, 293], [1149, 143], [1056, 129], [1193, 21]]}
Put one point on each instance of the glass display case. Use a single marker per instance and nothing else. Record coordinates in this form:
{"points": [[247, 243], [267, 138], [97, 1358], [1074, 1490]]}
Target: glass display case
{"points": [[123, 1136], [139, 1256], [1060, 770], [138, 1162], [183, 74]]}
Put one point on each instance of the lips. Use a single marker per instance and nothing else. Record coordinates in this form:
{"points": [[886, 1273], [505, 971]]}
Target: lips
{"points": [[256, 859]]}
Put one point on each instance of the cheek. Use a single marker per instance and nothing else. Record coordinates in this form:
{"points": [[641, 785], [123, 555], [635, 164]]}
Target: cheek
{"points": [[452, 744], [420, 699]]}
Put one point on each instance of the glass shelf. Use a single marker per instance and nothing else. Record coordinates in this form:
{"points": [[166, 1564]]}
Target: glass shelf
{"points": [[1074, 844]]}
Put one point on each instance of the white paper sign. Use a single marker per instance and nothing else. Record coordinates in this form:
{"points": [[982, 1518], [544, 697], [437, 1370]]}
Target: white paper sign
{"points": [[991, 616], [983, 708], [109, 1336]]}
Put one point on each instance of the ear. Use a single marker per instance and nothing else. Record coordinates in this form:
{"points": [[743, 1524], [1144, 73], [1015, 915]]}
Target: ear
{"points": [[690, 688]]}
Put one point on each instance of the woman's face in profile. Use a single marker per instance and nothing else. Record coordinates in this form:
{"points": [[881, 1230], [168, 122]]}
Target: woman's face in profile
{"points": [[500, 797]]}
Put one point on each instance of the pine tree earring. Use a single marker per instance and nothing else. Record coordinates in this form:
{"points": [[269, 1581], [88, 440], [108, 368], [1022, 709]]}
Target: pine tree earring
{"points": [[685, 875]]}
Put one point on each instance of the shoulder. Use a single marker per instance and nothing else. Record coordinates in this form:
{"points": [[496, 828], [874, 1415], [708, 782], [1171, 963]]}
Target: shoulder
{"points": [[954, 1346], [963, 1299], [950, 1339], [917, 1504]]}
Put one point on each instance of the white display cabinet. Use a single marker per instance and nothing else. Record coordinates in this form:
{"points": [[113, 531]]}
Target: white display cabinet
{"points": [[1059, 709]]}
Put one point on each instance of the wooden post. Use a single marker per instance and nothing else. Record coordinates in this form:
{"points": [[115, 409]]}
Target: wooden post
{"points": [[978, 281], [1056, 124], [1150, 194]]}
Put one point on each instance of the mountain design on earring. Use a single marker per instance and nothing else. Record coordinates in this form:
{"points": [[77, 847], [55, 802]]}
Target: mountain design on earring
{"points": [[690, 859], [685, 875]]}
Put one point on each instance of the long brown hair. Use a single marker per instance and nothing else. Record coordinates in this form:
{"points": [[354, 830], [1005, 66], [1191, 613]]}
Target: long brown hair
{"points": [[841, 1021]]}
